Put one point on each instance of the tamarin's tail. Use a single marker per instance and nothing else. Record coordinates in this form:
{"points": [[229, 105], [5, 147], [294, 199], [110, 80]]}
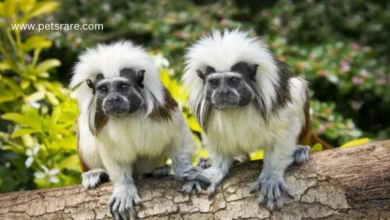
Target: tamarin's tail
{"points": [[307, 136], [314, 140]]}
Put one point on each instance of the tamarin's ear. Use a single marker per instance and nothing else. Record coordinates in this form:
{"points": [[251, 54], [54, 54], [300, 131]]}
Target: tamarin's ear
{"points": [[90, 85], [203, 75], [140, 78], [253, 71], [200, 74]]}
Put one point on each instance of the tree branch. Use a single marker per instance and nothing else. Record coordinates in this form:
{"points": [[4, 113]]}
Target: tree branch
{"points": [[351, 183]]}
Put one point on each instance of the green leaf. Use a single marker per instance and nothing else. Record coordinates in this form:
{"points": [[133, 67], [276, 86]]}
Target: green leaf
{"points": [[44, 8], [72, 162], [56, 114], [44, 74], [6, 96], [22, 131], [26, 5], [1, 10], [24, 84], [52, 98], [68, 143], [4, 65], [356, 143], [257, 155], [193, 124], [36, 96], [204, 153], [47, 64], [27, 140], [36, 42], [9, 9], [13, 86], [317, 147], [13, 148], [30, 119]]}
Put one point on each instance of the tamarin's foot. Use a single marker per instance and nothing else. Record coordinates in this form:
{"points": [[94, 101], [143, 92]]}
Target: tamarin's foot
{"points": [[123, 201], [204, 162], [270, 189], [301, 154], [159, 172], [94, 178], [194, 180]]}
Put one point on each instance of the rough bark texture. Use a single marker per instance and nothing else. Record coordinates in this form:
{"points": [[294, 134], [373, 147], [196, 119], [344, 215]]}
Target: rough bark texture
{"points": [[352, 183]]}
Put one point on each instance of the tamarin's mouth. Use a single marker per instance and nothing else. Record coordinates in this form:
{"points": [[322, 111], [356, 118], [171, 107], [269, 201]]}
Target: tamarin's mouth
{"points": [[224, 106], [116, 111]]}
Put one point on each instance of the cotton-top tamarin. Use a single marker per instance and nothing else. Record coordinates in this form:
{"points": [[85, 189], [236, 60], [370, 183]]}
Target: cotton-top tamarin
{"points": [[129, 124], [245, 99]]}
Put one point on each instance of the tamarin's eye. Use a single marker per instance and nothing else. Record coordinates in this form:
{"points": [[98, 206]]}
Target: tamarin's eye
{"points": [[123, 87], [234, 81], [103, 89], [214, 82]]}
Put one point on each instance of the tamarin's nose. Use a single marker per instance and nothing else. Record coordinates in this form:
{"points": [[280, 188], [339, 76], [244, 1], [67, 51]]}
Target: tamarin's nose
{"points": [[113, 99], [225, 92]]}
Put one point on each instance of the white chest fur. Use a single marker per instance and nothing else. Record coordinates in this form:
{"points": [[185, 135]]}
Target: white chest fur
{"points": [[127, 139], [244, 130]]}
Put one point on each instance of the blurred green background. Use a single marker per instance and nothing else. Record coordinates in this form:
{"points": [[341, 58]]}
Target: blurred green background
{"points": [[340, 47]]}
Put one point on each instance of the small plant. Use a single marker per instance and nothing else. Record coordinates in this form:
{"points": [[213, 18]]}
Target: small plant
{"points": [[38, 132]]}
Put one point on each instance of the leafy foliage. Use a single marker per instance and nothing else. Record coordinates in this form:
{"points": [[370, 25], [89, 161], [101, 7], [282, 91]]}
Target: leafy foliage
{"points": [[337, 46], [40, 145]]}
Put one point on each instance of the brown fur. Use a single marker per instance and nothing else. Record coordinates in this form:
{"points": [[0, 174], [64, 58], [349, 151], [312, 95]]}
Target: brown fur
{"points": [[164, 112], [315, 139], [100, 121], [307, 137]]}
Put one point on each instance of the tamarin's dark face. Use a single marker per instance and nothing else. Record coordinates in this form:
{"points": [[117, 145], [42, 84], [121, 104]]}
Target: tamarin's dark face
{"points": [[118, 96], [231, 88]]}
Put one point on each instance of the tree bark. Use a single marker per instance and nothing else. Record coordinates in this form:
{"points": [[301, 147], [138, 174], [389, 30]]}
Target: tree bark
{"points": [[351, 183]]}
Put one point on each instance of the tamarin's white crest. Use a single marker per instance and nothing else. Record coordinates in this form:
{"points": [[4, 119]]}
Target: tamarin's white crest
{"points": [[129, 125], [245, 99]]}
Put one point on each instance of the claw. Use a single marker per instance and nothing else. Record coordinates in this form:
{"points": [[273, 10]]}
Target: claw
{"points": [[193, 186], [211, 190], [186, 189], [260, 198], [137, 200], [279, 203], [254, 188], [270, 205], [196, 173], [270, 190], [121, 204]]}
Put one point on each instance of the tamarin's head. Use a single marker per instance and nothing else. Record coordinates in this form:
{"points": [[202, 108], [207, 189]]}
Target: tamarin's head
{"points": [[232, 69], [117, 80], [230, 88], [118, 96]]}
